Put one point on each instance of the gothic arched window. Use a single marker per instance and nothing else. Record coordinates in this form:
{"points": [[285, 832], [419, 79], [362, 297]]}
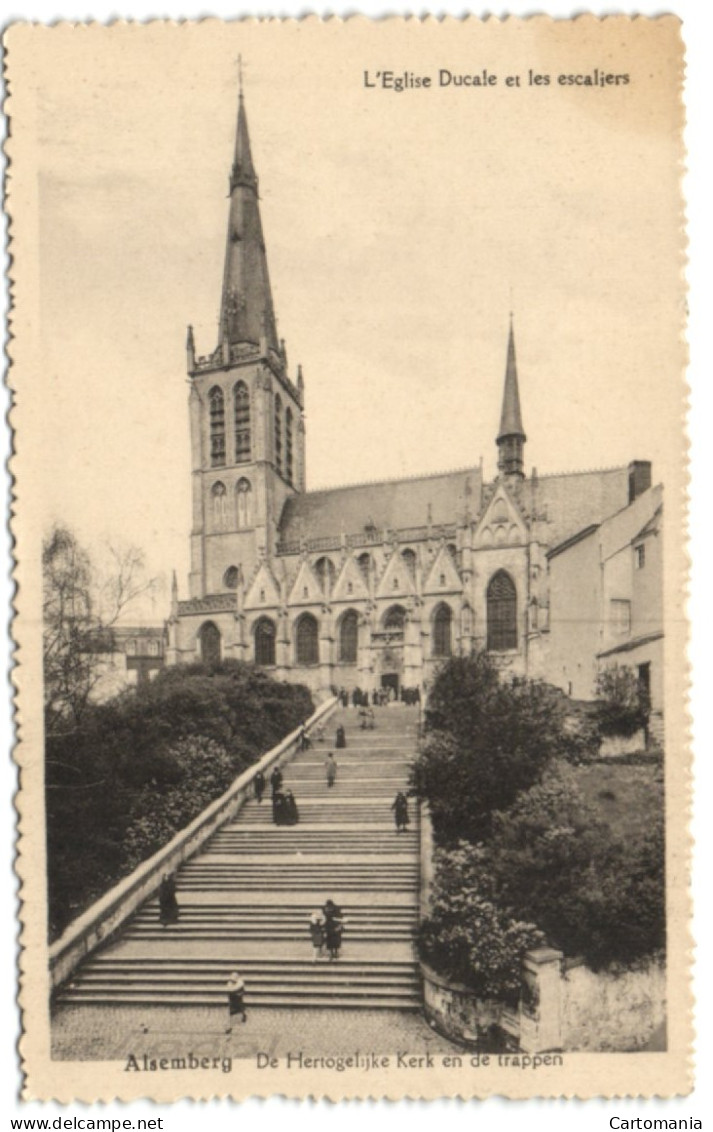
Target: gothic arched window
{"points": [[231, 578], [278, 433], [364, 564], [209, 637], [442, 624], [502, 612], [243, 502], [265, 643], [307, 640], [218, 494], [324, 569], [349, 637], [288, 446], [395, 617], [409, 558], [241, 399], [217, 426]]}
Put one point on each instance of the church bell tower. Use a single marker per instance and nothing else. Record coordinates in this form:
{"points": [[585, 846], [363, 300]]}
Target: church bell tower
{"points": [[246, 414]]}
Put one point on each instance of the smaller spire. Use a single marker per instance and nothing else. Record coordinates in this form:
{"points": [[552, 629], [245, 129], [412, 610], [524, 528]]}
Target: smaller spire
{"points": [[511, 417], [511, 437], [191, 350]]}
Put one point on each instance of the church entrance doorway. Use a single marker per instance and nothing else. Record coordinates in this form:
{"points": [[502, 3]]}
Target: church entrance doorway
{"points": [[391, 680]]}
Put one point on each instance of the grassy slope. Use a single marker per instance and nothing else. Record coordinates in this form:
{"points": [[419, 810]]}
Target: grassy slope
{"points": [[624, 796]]}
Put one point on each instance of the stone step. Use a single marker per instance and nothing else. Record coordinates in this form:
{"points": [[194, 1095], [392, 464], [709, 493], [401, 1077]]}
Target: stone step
{"points": [[254, 886], [410, 1000], [293, 913]]}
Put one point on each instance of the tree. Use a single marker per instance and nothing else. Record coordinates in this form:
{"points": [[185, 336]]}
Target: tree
{"points": [[486, 740], [80, 610], [139, 767], [623, 705]]}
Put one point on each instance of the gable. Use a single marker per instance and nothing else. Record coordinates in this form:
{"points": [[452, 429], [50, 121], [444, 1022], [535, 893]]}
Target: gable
{"points": [[306, 589], [442, 576], [264, 591], [350, 583], [396, 579], [501, 524]]}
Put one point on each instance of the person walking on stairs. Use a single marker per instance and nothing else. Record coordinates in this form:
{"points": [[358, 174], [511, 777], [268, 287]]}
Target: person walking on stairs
{"points": [[333, 926], [400, 808], [330, 767], [341, 739], [259, 786], [236, 999], [168, 901], [316, 932], [276, 780]]}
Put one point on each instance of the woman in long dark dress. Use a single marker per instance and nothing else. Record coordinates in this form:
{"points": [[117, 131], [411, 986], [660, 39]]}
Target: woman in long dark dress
{"points": [[168, 901], [341, 740], [292, 815], [279, 809], [259, 785], [400, 808]]}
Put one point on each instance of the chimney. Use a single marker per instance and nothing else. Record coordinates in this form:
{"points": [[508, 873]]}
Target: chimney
{"points": [[639, 478]]}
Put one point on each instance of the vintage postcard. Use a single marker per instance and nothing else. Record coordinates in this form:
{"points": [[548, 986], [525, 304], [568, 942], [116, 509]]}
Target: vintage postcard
{"points": [[349, 463]]}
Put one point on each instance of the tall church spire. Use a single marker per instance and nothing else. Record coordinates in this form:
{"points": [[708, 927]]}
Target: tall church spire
{"points": [[246, 311], [511, 437]]}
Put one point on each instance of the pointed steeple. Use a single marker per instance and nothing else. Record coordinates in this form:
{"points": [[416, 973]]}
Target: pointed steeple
{"points": [[246, 311], [511, 437]]}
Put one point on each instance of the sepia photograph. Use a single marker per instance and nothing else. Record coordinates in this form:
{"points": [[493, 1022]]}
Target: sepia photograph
{"points": [[349, 471]]}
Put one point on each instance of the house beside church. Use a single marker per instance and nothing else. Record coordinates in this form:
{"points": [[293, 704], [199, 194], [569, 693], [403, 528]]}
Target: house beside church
{"points": [[374, 584]]}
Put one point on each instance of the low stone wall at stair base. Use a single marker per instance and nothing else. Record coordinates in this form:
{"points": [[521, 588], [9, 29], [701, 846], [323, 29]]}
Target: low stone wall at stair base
{"points": [[104, 917], [457, 1013], [603, 1012]]}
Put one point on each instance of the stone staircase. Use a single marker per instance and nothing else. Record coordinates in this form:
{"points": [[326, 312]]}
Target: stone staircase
{"points": [[246, 898]]}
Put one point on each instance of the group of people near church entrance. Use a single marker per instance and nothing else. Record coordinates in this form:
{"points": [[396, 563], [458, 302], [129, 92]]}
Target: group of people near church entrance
{"points": [[378, 697], [325, 930]]}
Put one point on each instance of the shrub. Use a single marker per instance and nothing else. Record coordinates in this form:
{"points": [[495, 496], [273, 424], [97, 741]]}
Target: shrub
{"points": [[622, 707], [594, 894], [467, 936]]}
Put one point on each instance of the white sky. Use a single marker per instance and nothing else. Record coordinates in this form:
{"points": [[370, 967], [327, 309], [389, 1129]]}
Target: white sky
{"points": [[398, 226]]}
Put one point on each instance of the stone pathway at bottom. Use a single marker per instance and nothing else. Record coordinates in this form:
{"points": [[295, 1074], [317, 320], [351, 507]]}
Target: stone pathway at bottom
{"points": [[114, 1033]]}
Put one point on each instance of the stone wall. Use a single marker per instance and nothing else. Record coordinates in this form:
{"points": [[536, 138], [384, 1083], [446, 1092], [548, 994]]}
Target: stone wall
{"points": [[602, 1011]]}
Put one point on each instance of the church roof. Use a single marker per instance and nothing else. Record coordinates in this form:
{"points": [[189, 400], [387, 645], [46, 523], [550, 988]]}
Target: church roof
{"points": [[572, 501], [390, 505]]}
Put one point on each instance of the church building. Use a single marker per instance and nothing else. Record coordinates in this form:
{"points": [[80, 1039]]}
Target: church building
{"points": [[369, 585]]}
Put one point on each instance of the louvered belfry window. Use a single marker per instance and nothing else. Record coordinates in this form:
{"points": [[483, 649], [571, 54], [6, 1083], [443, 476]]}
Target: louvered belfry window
{"points": [[278, 434], [217, 427], [242, 423], [289, 461], [502, 613]]}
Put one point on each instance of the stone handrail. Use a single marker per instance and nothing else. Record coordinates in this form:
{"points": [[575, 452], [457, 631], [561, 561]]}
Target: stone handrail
{"points": [[107, 914]]}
